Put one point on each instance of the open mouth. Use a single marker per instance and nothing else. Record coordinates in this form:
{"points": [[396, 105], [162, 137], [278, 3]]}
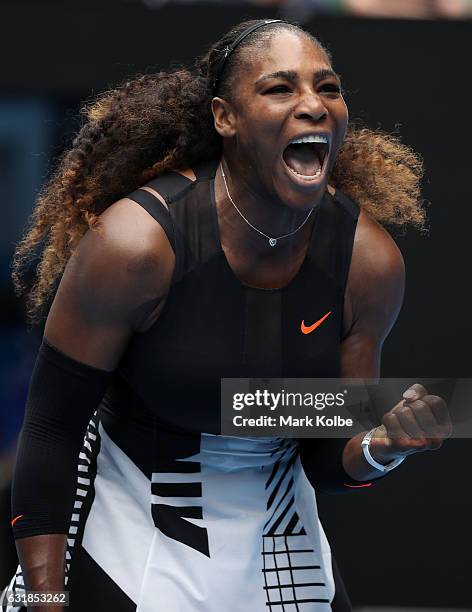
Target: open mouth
{"points": [[305, 157]]}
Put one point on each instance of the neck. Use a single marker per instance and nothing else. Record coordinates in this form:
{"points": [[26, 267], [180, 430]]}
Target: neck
{"points": [[255, 220]]}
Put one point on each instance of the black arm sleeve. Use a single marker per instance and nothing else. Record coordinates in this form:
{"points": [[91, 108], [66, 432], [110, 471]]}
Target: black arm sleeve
{"points": [[322, 461], [62, 396]]}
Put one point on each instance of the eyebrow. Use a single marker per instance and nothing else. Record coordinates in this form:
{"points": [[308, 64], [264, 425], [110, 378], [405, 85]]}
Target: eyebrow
{"points": [[292, 76]]}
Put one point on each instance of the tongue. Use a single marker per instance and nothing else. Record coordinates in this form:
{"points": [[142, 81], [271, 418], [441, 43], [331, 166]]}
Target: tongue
{"points": [[302, 158]]}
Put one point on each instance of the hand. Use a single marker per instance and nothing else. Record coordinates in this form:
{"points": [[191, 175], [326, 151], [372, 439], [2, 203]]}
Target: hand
{"points": [[419, 422]]}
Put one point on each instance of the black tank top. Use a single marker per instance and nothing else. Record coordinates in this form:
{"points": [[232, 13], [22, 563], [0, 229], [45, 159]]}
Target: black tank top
{"points": [[212, 326]]}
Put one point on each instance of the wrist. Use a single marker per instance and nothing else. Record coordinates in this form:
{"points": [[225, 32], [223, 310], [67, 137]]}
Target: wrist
{"points": [[381, 467], [381, 449], [354, 462]]}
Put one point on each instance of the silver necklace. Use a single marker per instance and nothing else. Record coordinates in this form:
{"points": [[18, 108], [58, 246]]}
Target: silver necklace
{"points": [[273, 240]]}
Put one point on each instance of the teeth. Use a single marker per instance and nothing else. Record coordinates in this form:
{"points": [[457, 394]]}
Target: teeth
{"points": [[313, 138], [306, 177]]}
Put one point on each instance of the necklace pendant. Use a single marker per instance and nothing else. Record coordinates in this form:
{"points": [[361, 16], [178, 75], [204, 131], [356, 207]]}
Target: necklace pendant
{"points": [[273, 242]]}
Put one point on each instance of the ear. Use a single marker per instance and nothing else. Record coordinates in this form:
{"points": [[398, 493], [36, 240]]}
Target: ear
{"points": [[224, 117]]}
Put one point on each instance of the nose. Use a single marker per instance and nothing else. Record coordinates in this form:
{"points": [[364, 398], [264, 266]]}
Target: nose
{"points": [[311, 107]]}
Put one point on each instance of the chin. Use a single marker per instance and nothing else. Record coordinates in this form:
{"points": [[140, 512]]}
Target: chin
{"points": [[302, 199]]}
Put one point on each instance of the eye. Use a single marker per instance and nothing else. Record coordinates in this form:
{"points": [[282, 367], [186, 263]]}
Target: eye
{"points": [[331, 88], [278, 89]]}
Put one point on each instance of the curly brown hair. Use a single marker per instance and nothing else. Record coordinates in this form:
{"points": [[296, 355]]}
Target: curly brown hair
{"points": [[163, 121]]}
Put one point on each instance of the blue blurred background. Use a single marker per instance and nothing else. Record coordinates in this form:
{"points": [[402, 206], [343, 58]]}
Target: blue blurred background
{"points": [[405, 64]]}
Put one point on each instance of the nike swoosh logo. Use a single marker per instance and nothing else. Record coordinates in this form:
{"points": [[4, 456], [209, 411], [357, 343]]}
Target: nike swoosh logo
{"points": [[307, 329], [16, 519]]}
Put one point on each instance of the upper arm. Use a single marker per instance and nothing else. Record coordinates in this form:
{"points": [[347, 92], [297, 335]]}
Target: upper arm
{"points": [[374, 291], [115, 278]]}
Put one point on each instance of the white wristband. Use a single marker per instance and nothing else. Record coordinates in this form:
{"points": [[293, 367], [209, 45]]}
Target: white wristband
{"points": [[378, 466]]}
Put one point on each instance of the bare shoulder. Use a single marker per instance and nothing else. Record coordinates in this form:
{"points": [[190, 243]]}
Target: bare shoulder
{"points": [[128, 229], [114, 284], [130, 242], [116, 276], [376, 259]]}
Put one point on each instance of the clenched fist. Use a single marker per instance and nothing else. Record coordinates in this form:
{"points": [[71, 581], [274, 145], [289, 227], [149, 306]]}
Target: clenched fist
{"points": [[419, 422]]}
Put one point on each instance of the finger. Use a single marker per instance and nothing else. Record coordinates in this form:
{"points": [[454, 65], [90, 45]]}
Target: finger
{"points": [[400, 441], [440, 412], [406, 417], [425, 418], [393, 427], [414, 392]]}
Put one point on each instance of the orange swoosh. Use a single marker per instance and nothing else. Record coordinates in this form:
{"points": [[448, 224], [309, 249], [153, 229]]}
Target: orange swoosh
{"points": [[308, 329], [17, 518]]}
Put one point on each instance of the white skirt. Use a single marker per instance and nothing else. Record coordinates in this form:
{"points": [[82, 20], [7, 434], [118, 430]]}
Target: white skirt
{"points": [[241, 534]]}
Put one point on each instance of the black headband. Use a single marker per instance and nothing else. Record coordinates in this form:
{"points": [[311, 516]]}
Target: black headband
{"points": [[229, 49]]}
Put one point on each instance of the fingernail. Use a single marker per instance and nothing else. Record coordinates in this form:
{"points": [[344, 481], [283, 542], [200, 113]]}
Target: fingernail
{"points": [[409, 394]]}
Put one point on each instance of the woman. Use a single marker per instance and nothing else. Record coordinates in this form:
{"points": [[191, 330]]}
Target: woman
{"points": [[207, 272]]}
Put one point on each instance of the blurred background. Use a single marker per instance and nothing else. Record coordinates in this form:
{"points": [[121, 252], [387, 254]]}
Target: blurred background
{"points": [[405, 65]]}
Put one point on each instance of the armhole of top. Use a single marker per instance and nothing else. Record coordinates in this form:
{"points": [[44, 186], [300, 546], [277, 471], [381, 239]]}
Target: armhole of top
{"points": [[168, 187], [172, 186], [157, 210]]}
